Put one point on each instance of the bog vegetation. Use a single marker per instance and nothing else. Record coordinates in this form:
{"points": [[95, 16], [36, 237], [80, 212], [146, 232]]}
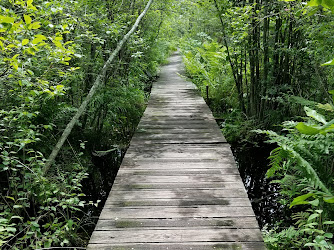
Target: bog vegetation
{"points": [[268, 66]]}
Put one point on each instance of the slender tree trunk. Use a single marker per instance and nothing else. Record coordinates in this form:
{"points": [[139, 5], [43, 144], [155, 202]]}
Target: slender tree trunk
{"points": [[92, 91], [266, 25], [252, 98], [232, 64]]}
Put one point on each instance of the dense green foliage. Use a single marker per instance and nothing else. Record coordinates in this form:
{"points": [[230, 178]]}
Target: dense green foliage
{"points": [[50, 54], [264, 62], [304, 164]]}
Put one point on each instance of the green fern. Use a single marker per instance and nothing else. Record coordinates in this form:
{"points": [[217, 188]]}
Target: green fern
{"points": [[276, 159]]}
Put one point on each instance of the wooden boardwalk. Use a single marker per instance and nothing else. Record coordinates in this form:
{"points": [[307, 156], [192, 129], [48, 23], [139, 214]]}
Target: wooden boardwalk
{"points": [[178, 186]]}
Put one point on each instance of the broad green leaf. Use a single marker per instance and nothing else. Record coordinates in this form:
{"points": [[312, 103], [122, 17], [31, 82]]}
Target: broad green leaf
{"points": [[27, 19], [31, 51], [30, 6], [25, 41], [11, 229], [315, 115], [314, 202], [328, 235], [312, 217], [6, 19], [331, 62], [329, 4], [34, 26], [38, 39], [70, 223], [17, 217], [329, 199], [301, 199], [307, 130], [58, 44], [314, 3]]}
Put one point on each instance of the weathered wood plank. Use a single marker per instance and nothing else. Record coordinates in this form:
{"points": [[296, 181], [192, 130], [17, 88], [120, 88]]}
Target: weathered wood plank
{"points": [[174, 166], [179, 153], [235, 222], [230, 222], [204, 174], [185, 185], [177, 235], [156, 212], [177, 194], [181, 246], [168, 136], [200, 125], [186, 161], [222, 181], [235, 202], [178, 141]]}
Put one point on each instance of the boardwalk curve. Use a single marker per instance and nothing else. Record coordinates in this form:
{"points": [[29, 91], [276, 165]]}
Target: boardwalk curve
{"points": [[178, 186]]}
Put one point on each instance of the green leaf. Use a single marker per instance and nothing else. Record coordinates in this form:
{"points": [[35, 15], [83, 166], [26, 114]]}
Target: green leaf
{"points": [[38, 39], [6, 19], [328, 235], [9, 197], [70, 224], [312, 217], [17, 217], [314, 3], [11, 229], [25, 41], [329, 199], [307, 130], [315, 115], [301, 199], [329, 4], [331, 62], [314, 202], [27, 19], [34, 26]]}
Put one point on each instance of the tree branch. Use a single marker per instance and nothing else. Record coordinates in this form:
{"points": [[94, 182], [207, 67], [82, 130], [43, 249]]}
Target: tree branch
{"points": [[92, 91]]}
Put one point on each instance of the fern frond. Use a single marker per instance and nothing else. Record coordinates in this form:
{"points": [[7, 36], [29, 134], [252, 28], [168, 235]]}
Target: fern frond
{"points": [[276, 158], [309, 171]]}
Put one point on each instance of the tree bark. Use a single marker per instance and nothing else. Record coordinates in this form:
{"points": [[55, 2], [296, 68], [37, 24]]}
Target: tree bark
{"points": [[92, 91]]}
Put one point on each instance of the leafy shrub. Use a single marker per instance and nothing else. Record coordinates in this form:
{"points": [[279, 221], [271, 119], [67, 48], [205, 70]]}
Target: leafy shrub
{"points": [[204, 63], [303, 164]]}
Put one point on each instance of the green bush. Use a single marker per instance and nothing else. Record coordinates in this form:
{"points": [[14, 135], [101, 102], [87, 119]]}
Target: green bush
{"points": [[303, 164]]}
